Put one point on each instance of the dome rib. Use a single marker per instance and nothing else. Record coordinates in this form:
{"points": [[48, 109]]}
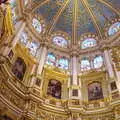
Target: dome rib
{"points": [[93, 17], [110, 6], [39, 4], [74, 27], [56, 17]]}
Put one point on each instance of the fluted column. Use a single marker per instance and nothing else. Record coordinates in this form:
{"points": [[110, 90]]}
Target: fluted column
{"points": [[108, 63], [74, 70], [32, 81], [19, 28], [74, 86], [42, 59], [110, 68]]}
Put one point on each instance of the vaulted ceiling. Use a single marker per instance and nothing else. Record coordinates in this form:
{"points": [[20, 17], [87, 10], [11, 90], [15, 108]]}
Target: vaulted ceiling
{"points": [[77, 17]]}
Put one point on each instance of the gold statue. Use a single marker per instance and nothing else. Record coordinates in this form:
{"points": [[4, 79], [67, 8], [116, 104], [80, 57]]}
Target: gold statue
{"points": [[6, 24]]}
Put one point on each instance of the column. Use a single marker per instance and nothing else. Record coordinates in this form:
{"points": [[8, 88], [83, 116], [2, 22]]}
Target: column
{"points": [[74, 70], [32, 81], [108, 63], [42, 59], [74, 73], [20, 28]]}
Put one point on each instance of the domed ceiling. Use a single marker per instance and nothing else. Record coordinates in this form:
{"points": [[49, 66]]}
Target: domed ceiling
{"points": [[77, 17]]}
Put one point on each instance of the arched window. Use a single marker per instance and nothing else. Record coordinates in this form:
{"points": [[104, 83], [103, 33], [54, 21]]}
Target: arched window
{"points": [[85, 64], [13, 4], [114, 28], [37, 25], [95, 91], [33, 46], [26, 2], [54, 89], [51, 59], [89, 42], [60, 41], [19, 68], [24, 38], [63, 63], [98, 61]]}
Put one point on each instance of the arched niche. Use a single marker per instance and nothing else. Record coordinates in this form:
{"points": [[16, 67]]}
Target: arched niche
{"points": [[52, 74], [19, 68], [54, 88]]}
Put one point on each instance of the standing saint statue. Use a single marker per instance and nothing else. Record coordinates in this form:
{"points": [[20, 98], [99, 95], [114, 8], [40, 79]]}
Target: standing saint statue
{"points": [[6, 24]]}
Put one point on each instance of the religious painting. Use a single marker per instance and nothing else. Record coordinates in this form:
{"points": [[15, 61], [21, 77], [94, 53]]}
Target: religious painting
{"points": [[113, 86], [19, 68], [95, 91], [4, 117], [54, 89]]}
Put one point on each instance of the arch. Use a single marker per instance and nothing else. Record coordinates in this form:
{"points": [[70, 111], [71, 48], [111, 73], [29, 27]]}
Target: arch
{"points": [[95, 91], [89, 42], [54, 88], [114, 28], [19, 68]]}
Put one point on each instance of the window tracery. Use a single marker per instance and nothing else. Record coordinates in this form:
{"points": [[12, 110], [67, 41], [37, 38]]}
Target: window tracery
{"points": [[60, 62], [114, 28], [85, 64], [98, 61], [13, 4], [51, 59], [60, 41], [33, 46], [37, 25], [63, 63], [89, 42], [24, 38]]}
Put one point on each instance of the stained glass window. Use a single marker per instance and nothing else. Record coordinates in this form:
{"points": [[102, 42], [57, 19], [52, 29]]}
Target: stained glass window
{"points": [[89, 42], [98, 61], [63, 63], [36, 24], [60, 41], [51, 59], [13, 4], [85, 64], [114, 28], [25, 2], [24, 38], [33, 46]]}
